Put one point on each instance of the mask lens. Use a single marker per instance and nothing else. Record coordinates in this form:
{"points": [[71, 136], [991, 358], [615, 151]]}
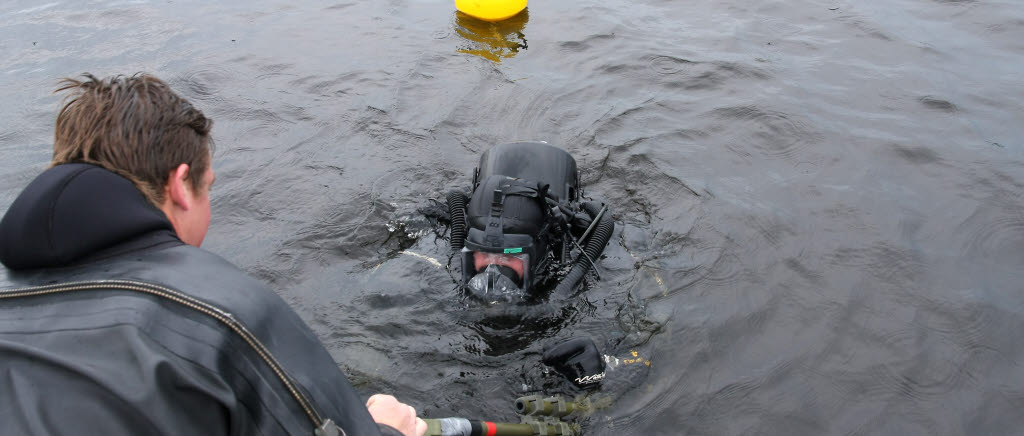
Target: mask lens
{"points": [[490, 284], [515, 262]]}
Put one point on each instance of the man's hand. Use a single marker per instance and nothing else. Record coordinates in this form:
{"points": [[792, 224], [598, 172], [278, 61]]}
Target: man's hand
{"points": [[386, 410]]}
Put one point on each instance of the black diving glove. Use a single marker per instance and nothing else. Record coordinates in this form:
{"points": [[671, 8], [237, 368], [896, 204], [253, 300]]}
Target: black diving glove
{"points": [[578, 360]]}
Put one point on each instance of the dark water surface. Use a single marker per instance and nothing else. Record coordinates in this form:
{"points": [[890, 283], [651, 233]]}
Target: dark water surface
{"points": [[820, 223]]}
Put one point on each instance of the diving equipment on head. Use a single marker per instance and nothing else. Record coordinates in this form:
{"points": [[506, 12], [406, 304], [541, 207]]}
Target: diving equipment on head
{"points": [[522, 220]]}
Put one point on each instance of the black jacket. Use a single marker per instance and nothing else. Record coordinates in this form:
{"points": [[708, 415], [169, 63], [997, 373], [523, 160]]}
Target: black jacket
{"points": [[109, 324]]}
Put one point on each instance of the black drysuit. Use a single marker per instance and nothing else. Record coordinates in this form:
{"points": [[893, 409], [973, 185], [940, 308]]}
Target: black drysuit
{"points": [[110, 325]]}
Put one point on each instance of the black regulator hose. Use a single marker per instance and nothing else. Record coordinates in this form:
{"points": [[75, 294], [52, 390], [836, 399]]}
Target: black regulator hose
{"points": [[591, 251], [457, 211]]}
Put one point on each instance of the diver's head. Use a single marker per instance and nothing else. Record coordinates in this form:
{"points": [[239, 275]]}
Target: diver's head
{"points": [[510, 227]]}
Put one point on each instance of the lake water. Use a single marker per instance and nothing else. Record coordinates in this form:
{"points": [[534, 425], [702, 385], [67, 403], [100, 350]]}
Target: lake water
{"points": [[820, 223]]}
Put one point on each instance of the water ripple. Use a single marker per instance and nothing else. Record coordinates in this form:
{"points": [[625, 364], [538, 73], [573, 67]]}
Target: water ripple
{"points": [[668, 65], [891, 264], [769, 133], [995, 232], [205, 83], [694, 76]]}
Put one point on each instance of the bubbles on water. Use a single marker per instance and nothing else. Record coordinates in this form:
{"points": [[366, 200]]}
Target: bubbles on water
{"points": [[408, 229]]}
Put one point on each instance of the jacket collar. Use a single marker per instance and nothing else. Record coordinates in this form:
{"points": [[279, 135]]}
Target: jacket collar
{"points": [[76, 211]]}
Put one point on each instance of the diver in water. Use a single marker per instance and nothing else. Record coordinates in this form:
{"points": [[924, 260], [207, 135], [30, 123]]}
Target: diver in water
{"points": [[525, 231], [525, 222]]}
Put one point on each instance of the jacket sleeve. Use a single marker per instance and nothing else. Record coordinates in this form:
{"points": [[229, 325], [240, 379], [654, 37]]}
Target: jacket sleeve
{"points": [[387, 430]]}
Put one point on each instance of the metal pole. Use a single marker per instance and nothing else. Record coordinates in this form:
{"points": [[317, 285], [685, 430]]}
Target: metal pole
{"points": [[593, 224], [465, 427]]}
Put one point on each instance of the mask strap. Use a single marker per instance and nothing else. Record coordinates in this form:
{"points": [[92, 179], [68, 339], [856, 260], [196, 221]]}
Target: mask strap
{"points": [[494, 236]]}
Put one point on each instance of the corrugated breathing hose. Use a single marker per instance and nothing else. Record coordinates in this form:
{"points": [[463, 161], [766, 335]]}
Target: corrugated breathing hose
{"points": [[457, 211], [595, 244]]}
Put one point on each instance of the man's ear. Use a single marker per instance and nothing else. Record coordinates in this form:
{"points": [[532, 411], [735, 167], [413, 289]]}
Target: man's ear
{"points": [[178, 189]]}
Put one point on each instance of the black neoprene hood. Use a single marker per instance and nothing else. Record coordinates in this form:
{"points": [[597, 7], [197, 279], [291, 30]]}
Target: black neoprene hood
{"points": [[71, 211]]}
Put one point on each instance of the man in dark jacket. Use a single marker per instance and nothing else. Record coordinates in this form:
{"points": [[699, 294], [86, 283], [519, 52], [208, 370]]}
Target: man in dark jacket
{"points": [[113, 321]]}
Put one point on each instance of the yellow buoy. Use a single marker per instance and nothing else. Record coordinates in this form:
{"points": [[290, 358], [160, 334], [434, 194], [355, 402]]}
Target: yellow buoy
{"points": [[491, 10]]}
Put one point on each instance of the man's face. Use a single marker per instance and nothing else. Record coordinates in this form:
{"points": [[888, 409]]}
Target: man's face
{"points": [[196, 220]]}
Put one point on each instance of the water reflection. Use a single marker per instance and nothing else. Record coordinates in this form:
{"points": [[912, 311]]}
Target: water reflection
{"points": [[493, 41]]}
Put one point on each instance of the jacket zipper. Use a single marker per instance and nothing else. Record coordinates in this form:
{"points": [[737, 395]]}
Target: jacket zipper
{"points": [[321, 426]]}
